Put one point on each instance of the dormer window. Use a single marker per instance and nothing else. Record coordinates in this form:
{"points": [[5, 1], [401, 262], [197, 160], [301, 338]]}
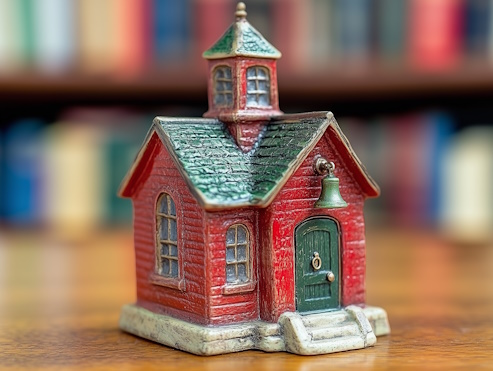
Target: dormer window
{"points": [[223, 86], [258, 87]]}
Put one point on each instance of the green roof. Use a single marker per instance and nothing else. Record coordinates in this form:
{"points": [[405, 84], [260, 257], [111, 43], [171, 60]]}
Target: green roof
{"points": [[221, 175], [241, 39]]}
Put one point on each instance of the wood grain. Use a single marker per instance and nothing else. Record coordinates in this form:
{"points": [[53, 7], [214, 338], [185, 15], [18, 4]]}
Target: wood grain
{"points": [[60, 301]]}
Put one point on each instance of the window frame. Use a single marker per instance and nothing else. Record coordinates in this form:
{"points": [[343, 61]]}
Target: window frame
{"points": [[156, 277], [224, 93], [257, 92], [238, 286]]}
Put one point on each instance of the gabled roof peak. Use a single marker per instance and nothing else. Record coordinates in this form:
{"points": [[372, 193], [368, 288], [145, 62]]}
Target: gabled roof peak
{"points": [[221, 176], [241, 39]]}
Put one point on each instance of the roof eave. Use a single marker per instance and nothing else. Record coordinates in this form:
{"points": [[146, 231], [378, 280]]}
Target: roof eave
{"points": [[124, 190], [368, 185], [235, 54]]}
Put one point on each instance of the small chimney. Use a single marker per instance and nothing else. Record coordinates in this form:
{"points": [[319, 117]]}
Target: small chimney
{"points": [[242, 81]]}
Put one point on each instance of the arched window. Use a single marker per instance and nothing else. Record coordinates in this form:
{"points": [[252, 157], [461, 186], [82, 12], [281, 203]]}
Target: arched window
{"points": [[167, 237], [237, 254], [258, 86], [223, 86]]}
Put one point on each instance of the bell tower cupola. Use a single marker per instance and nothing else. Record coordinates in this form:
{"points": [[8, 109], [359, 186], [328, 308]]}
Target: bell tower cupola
{"points": [[242, 81]]}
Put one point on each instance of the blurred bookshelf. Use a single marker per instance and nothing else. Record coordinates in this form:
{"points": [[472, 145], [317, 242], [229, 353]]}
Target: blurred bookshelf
{"points": [[81, 48], [74, 72], [182, 84]]}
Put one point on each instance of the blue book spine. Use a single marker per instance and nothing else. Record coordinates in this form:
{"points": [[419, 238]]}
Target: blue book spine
{"points": [[441, 130], [355, 27], [22, 173], [477, 26], [171, 29]]}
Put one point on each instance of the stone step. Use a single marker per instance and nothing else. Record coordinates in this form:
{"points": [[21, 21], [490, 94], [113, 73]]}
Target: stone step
{"points": [[344, 329], [336, 345], [324, 319], [326, 332]]}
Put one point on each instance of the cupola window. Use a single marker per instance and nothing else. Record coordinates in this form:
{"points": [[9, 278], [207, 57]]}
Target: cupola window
{"points": [[258, 87], [223, 86]]}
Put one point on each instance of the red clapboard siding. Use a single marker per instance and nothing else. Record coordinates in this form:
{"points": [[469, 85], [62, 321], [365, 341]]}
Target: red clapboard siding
{"points": [[238, 307], [203, 241], [161, 175], [243, 311], [290, 207]]}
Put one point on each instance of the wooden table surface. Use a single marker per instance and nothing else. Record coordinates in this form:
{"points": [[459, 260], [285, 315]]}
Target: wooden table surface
{"points": [[59, 307]]}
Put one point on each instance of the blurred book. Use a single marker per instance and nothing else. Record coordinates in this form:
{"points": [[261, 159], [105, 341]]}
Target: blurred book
{"points": [[54, 27], [371, 140], [404, 154], [260, 15], [133, 41], [22, 173], [28, 33], [125, 38], [320, 23], [467, 197], [206, 32], [435, 34], [477, 27], [418, 143], [353, 34], [88, 152], [391, 29], [171, 25], [490, 32], [74, 168], [97, 21], [13, 55], [290, 31], [122, 140]]}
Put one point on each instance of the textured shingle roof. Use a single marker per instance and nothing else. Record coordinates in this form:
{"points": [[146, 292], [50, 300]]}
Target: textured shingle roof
{"points": [[221, 176], [241, 39]]}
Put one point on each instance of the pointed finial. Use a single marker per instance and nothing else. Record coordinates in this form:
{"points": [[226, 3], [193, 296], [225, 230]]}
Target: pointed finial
{"points": [[241, 10]]}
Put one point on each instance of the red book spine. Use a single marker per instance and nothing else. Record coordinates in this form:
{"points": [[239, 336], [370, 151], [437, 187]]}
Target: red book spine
{"points": [[435, 33], [134, 37], [211, 19], [291, 33]]}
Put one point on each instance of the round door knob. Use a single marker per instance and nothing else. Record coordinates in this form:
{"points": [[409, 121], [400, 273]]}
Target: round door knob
{"points": [[331, 277]]}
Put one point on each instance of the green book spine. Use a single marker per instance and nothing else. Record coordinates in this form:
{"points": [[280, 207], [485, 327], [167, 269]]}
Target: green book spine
{"points": [[391, 27], [28, 34]]}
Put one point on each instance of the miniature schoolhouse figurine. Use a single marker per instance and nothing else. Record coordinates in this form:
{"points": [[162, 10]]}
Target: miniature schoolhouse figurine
{"points": [[248, 223]]}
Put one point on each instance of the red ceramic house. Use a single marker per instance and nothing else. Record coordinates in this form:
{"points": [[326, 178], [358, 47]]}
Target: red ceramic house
{"points": [[232, 252]]}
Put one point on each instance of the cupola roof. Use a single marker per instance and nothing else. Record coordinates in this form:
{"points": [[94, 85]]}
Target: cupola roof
{"points": [[242, 40]]}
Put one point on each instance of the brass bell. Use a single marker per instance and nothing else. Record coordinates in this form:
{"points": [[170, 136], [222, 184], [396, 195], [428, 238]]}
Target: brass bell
{"points": [[330, 197]]}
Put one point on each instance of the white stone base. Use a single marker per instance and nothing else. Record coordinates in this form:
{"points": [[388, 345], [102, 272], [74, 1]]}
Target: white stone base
{"points": [[378, 320], [308, 334]]}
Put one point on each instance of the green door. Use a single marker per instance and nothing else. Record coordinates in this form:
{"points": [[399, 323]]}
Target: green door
{"points": [[317, 265]]}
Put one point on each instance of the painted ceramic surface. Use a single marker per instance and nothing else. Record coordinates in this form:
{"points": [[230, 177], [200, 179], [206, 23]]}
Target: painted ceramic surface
{"points": [[272, 203], [249, 248]]}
